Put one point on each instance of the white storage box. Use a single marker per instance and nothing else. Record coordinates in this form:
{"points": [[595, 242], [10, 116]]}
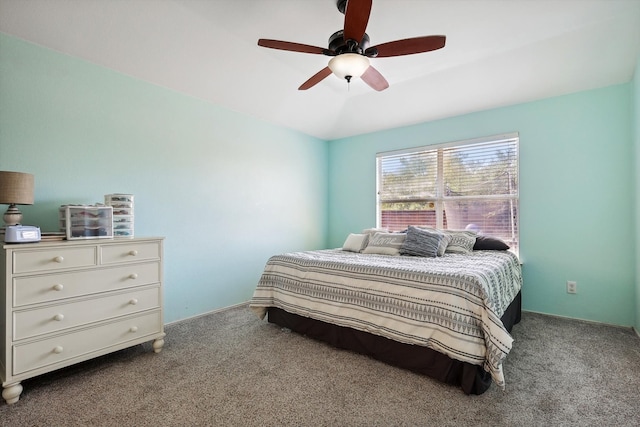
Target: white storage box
{"points": [[123, 214], [86, 221]]}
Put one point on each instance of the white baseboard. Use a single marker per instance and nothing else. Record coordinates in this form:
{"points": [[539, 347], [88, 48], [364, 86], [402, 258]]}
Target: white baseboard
{"points": [[217, 310], [636, 331]]}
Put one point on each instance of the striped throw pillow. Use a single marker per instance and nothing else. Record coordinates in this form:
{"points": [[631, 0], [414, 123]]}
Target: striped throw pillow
{"points": [[421, 242], [442, 247], [462, 241]]}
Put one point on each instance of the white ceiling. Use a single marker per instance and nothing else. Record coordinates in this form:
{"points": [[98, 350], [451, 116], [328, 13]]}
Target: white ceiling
{"points": [[498, 52]]}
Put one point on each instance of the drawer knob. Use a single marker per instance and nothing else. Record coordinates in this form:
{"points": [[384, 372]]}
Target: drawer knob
{"points": [[58, 349], [133, 276], [59, 317], [58, 287], [58, 259], [133, 329], [133, 301], [133, 252]]}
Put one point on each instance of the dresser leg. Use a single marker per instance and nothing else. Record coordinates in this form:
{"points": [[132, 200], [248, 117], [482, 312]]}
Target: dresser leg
{"points": [[157, 345], [11, 393]]}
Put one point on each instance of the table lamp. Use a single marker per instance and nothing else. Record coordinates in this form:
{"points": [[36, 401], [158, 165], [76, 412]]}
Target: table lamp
{"points": [[16, 188]]}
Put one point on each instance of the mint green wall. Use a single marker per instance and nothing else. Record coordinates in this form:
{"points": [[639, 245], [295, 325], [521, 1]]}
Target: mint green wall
{"points": [[219, 185], [227, 191], [576, 179]]}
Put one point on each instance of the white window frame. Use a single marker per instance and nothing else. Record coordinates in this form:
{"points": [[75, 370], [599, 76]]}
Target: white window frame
{"points": [[440, 197]]}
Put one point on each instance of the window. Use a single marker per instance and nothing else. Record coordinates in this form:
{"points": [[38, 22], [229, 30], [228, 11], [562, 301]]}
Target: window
{"points": [[462, 185]]}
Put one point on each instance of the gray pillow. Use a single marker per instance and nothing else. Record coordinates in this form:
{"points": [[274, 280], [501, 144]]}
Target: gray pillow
{"points": [[385, 244], [442, 247], [461, 241], [372, 231], [420, 242]]}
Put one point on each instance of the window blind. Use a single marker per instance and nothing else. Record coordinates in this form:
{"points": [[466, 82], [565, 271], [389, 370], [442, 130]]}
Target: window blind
{"points": [[461, 185]]}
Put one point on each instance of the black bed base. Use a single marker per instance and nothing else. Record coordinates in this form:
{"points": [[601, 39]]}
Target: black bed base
{"points": [[472, 379]]}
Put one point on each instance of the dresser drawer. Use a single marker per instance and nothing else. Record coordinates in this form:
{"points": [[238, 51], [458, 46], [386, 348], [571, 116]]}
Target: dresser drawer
{"points": [[53, 259], [52, 287], [64, 347], [30, 323], [119, 253]]}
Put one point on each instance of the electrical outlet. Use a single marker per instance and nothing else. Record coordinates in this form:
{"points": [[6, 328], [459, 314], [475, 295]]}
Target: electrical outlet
{"points": [[572, 287]]}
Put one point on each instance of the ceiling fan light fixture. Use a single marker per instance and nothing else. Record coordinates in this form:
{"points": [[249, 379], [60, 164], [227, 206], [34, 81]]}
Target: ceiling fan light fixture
{"points": [[348, 65]]}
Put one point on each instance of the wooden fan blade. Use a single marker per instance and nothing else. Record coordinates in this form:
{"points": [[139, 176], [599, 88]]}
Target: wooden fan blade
{"points": [[373, 78], [356, 18], [409, 46], [316, 78], [290, 46]]}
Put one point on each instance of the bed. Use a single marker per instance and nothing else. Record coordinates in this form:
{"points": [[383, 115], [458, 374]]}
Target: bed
{"points": [[448, 317]]}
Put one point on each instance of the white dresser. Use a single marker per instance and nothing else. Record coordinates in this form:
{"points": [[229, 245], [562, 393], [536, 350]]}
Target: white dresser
{"points": [[68, 301]]}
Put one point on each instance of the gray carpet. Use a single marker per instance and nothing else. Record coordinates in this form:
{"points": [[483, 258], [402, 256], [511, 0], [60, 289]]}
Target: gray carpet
{"points": [[231, 369]]}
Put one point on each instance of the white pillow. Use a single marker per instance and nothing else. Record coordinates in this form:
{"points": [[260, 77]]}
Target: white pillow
{"points": [[385, 243], [355, 242], [372, 231]]}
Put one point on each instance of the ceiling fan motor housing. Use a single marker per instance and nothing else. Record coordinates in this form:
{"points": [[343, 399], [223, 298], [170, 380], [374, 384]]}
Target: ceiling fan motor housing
{"points": [[342, 5], [339, 45]]}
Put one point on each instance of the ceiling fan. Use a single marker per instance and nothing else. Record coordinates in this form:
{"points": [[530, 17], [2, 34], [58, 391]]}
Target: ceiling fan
{"points": [[351, 51]]}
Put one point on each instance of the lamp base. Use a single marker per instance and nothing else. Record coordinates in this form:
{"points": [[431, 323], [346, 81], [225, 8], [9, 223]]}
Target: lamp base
{"points": [[12, 216]]}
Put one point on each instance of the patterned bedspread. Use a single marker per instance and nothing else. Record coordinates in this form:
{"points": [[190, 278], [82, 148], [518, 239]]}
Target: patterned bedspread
{"points": [[451, 304]]}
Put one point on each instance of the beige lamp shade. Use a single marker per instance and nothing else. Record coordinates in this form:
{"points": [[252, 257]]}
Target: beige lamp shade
{"points": [[16, 188]]}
